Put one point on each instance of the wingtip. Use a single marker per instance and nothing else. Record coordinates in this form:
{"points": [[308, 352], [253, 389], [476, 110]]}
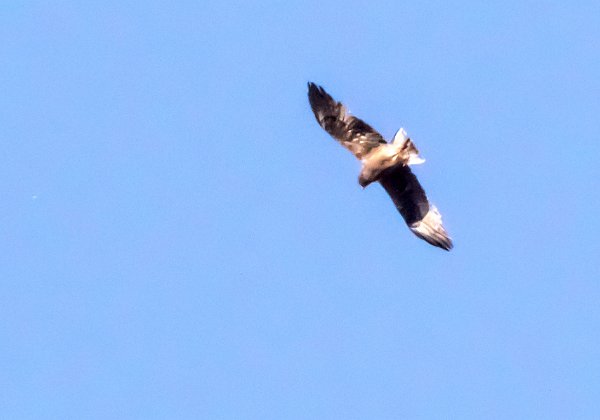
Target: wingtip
{"points": [[431, 230], [448, 245], [319, 99], [439, 240]]}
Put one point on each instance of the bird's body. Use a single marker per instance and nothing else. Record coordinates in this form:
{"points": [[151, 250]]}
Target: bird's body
{"points": [[401, 151], [384, 162]]}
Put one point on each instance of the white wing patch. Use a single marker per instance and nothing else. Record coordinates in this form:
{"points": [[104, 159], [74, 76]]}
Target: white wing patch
{"points": [[430, 228]]}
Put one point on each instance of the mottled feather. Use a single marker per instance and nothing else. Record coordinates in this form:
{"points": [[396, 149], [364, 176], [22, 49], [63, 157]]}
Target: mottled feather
{"points": [[353, 133]]}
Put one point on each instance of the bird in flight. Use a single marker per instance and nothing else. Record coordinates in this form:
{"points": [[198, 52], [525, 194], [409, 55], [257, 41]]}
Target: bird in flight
{"points": [[383, 162]]}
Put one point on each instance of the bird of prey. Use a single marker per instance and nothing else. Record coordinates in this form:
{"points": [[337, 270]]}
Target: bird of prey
{"points": [[383, 162]]}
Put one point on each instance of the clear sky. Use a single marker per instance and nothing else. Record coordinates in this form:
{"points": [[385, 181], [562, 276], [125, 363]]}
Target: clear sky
{"points": [[180, 239]]}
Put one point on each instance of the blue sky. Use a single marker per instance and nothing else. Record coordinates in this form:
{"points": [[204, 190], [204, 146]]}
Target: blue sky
{"points": [[179, 238]]}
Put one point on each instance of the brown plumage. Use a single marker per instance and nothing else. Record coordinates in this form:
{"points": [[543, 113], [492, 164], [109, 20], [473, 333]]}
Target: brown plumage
{"points": [[384, 162]]}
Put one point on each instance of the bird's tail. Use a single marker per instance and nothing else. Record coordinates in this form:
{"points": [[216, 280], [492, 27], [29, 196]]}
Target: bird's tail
{"points": [[408, 148], [413, 153]]}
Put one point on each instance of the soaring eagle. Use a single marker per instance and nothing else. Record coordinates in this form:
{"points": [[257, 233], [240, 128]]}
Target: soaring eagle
{"points": [[387, 163]]}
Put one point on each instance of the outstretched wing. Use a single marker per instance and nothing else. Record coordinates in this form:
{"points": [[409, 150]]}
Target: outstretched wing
{"points": [[407, 194], [353, 133]]}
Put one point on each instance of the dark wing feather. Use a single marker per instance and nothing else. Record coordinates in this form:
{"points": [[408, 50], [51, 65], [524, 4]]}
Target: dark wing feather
{"points": [[353, 133], [409, 197]]}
